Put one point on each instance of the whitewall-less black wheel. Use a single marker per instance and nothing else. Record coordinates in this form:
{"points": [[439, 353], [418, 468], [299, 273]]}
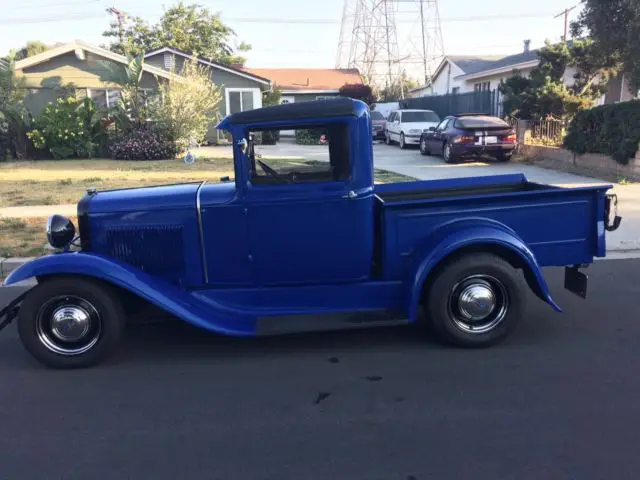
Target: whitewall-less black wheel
{"points": [[476, 300], [447, 153], [403, 144], [424, 149], [70, 322]]}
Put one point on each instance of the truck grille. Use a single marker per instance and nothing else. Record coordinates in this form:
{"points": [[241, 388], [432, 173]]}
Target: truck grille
{"points": [[156, 249]]}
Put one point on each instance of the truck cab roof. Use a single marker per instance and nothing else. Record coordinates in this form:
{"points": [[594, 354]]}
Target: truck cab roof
{"points": [[292, 112]]}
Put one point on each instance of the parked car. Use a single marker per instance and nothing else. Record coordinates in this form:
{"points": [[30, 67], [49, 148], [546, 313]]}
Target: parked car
{"points": [[297, 247], [463, 136], [379, 124], [406, 126]]}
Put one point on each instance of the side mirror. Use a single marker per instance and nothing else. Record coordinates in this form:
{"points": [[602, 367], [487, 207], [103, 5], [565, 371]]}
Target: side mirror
{"points": [[432, 129]]}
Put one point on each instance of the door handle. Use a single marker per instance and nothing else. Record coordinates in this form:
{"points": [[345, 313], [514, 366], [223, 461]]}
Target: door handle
{"points": [[351, 195]]}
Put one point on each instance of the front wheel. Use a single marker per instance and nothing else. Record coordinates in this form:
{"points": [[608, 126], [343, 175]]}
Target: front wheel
{"points": [[70, 322], [403, 144], [424, 149], [476, 300]]}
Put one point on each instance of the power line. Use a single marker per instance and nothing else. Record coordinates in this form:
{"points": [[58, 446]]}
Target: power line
{"points": [[565, 12]]}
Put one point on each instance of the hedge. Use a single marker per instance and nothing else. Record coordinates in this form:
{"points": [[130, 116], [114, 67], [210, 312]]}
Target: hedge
{"points": [[609, 129]]}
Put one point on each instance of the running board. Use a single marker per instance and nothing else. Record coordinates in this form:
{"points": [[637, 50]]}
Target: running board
{"points": [[329, 321]]}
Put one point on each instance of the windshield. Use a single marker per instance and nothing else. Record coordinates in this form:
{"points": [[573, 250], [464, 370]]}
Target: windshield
{"points": [[414, 117], [376, 116], [481, 122]]}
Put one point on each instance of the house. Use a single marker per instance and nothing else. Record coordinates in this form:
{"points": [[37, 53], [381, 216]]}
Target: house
{"points": [[465, 73], [305, 84], [79, 67], [241, 89]]}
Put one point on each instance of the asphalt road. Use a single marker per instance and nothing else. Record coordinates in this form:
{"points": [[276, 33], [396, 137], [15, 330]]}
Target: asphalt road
{"points": [[560, 400]]}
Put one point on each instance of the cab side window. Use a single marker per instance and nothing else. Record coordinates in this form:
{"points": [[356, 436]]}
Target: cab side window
{"points": [[443, 125], [327, 160]]}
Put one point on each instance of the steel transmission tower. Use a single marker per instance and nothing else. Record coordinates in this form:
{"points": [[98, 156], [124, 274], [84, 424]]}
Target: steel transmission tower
{"points": [[386, 38]]}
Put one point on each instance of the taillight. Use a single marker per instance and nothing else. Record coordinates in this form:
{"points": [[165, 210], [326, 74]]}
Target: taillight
{"points": [[511, 138], [465, 139]]}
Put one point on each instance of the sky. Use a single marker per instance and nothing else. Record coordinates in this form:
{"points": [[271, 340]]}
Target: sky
{"points": [[296, 33]]}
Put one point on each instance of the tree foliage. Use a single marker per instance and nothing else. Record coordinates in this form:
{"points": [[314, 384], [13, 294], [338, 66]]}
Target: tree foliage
{"points": [[190, 28], [358, 91], [14, 118], [551, 90], [397, 90], [31, 49], [188, 106], [614, 26]]}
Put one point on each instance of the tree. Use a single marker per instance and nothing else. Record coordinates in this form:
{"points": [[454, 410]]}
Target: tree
{"points": [[546, 94], [397, 90], [190, 28], [14, 117], [272, 97], [614, 27], [358, 91], [189, 104], [30, 49]]}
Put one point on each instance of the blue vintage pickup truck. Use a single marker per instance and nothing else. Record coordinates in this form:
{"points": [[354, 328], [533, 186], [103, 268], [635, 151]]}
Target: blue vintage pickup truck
{"points": [[275, 250]]}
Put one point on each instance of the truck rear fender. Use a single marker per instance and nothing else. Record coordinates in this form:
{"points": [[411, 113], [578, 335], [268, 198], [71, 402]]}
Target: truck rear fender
{"points": [[168, 297], [467, 236]]}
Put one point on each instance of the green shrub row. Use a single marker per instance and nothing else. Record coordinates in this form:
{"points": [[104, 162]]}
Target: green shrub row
{"points": [[309, 136], [609, 129]]}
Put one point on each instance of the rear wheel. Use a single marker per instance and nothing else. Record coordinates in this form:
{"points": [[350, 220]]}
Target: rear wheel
{"points": [[503, 157], [476, 300], [70, 322], [424, 149], [403, 144], [447, 154]]}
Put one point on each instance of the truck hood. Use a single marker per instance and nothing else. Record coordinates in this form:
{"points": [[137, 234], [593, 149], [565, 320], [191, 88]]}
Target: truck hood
{"points": [[165, 197]]}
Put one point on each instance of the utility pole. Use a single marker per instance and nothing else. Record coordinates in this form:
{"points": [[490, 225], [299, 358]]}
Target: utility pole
{"points": [[424, 43], [565, 12], [121, 17]]}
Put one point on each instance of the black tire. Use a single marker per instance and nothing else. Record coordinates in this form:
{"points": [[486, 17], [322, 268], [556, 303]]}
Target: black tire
{"points": [[402, 143], [466, 277], [503, 157], [94, 304], [447, 154], [424, 149]]}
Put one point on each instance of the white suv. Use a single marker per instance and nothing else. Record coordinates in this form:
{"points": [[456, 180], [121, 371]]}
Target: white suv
{"points": [[406, 126]]}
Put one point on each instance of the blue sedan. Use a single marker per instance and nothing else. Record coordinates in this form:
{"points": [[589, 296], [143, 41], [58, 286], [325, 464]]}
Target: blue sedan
{"points": [[467, 135]]}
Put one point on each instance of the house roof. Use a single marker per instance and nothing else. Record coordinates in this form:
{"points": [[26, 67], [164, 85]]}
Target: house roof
{"points": [[475, 66], [227, 68], [316, 80], [80, 46]]}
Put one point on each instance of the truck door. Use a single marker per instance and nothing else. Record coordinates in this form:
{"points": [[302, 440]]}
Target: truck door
{"points": [[308, 222]]}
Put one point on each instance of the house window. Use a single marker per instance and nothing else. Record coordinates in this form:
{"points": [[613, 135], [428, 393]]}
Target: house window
{"points": [[103, 97], [455, 90], [332, 137], [242, 99], [481, 87]]}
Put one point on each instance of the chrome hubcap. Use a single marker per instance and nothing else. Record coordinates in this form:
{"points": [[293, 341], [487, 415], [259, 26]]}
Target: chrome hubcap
{"points": [[68, 325], [478, 304], [447, 151]]}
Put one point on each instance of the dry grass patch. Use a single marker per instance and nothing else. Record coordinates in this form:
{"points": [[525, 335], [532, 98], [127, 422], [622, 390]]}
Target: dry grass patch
{"points": [[56, 182], [23, 237]]}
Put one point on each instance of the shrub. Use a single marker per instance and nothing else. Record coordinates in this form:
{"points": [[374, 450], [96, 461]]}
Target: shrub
{"points": [[188, 105], [609, 129], [309, 136], [68, 128], [143, 144], [270, 137], [358, 91]]}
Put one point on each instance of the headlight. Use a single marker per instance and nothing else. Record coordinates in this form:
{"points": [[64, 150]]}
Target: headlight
{"points": [[60, 231], [414, 131]]}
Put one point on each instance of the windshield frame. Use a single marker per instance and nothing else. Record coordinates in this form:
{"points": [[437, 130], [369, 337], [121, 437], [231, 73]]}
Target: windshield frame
{"points": [[425, 113]]}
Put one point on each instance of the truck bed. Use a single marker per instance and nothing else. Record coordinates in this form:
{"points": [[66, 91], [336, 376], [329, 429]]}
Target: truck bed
{"points": [[562, 226]]}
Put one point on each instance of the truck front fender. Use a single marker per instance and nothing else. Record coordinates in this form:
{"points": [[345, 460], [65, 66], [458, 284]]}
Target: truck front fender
{"points": [[470, 234], [183, 304]]}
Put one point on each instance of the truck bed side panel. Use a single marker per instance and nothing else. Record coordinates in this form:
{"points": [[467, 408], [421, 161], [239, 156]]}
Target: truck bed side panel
{"points": [[560, 226]]}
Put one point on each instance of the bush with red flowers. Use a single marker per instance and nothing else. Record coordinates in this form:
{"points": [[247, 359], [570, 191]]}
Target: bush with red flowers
{"points": [[143, 144]]}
